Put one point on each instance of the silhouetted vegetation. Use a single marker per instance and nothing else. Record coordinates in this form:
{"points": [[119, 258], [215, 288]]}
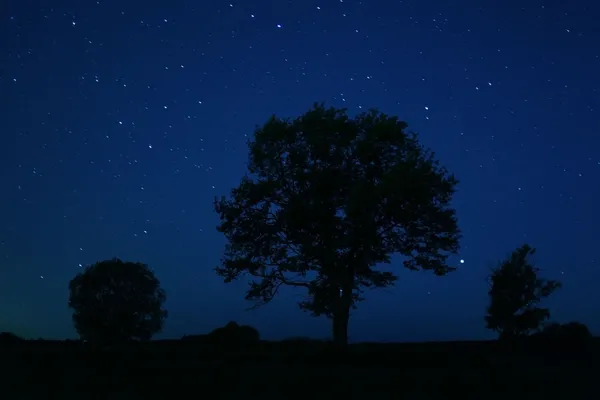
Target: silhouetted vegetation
{"points": [[115, 301], [571, 331], [234, 334], [329, 197], [515, 293], [572, 337]]}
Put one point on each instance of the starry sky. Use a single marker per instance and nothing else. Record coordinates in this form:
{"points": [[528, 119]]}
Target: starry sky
{"points": [[122, 120]]}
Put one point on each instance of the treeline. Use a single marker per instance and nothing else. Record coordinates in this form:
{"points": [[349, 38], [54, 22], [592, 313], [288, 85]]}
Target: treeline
{"points": [[114, 302], [327, 198]]}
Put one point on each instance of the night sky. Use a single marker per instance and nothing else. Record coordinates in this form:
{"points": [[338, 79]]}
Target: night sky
{"points": [[122, 120]]}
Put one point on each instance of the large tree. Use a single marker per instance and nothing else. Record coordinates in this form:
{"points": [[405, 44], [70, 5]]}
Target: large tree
{"points": [[515, 293], [114, 301], [327, 197]]}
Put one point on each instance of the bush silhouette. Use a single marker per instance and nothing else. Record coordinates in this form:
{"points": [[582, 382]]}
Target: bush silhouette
{"points": [[573, 336], [234, 334], [327, 199], [116, 301], [577, 331]]}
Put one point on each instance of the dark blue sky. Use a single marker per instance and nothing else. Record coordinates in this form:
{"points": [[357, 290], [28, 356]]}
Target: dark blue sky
{"points": [[122, 120]]}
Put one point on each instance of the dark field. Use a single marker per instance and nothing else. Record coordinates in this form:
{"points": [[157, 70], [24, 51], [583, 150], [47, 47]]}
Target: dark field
{"points": [[299, 369]]}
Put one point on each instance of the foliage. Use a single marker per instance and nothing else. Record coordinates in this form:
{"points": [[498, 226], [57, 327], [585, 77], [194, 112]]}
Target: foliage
{"points": [[116, 301], [325, 200], [515, 293], [232, 333]]}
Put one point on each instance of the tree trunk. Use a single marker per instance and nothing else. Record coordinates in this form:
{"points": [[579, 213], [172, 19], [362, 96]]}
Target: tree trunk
{"points": [[341, 316], [340, 329]]}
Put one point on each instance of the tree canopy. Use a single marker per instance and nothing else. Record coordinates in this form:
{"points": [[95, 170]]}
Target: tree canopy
{"points": [[326, 198], [115, 301], [515, 293]]}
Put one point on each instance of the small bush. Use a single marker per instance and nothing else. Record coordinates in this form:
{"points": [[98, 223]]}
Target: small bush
{"points": [[234, 334], [573, 337]]}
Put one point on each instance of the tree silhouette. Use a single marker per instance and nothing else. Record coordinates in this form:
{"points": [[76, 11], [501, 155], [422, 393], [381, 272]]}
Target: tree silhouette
{"points": [[515, 292], [327, 198], [116, 301]]}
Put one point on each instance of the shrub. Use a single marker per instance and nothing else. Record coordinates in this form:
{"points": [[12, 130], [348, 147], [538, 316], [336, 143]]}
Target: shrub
{"points": [[235, 334]]}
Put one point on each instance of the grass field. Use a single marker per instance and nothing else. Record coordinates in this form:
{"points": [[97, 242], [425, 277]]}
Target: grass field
{"points": [[276, 370]]}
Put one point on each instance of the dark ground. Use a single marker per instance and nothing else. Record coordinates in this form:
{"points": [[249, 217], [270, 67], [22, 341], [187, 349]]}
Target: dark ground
{"points": [[277, 370]]}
